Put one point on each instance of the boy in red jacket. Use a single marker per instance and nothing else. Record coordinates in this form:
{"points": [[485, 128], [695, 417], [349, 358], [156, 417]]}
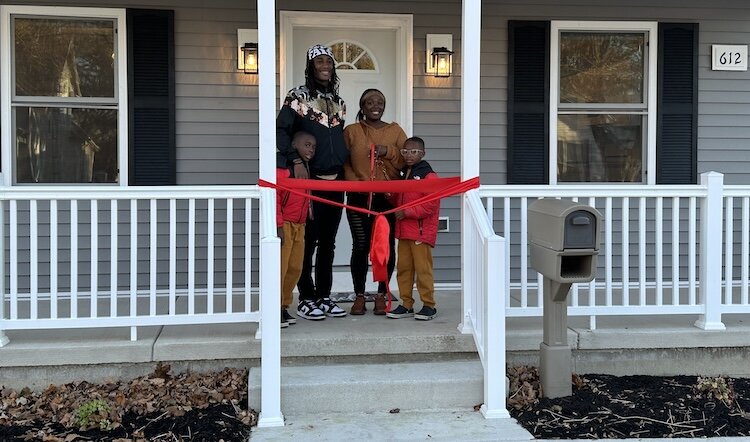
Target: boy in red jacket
{"points": [[416, 230], [291, 216]]}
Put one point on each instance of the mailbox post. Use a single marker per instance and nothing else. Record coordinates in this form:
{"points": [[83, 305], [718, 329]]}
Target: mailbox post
{"points": [[564, 242]]}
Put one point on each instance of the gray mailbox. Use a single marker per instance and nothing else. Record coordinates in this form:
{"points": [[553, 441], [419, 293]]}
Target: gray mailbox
{"points": [[563, 244], [564, 240]]}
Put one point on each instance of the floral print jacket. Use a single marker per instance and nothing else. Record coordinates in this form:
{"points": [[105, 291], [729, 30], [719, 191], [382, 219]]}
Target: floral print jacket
{"points": [[321, 114]]}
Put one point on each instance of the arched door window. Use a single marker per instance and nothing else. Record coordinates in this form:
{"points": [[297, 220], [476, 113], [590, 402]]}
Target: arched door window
{"points": [[351, 55]]}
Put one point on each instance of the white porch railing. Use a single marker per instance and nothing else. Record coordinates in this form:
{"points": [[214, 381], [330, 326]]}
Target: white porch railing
{"points": [[109, 257], [661, 251], [484, 291]]}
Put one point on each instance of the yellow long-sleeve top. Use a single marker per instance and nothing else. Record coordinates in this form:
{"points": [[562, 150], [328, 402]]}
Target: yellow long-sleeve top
{"points": [[359, 136]]}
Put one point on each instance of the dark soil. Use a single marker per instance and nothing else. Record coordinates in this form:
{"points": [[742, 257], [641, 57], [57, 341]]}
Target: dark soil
{"points": [[604, 406]]}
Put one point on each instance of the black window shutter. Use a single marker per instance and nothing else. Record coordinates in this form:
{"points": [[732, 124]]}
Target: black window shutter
{"points": [[151, 97], [677, 107], [528, 102]]}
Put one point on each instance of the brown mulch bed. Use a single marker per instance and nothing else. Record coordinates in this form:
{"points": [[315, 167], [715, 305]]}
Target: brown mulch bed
{"points": [[159, 407], [610, 407]]}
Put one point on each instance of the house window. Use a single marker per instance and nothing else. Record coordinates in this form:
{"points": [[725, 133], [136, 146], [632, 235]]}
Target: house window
{"points": [[353, 56], [603, 89], [65, 101]]}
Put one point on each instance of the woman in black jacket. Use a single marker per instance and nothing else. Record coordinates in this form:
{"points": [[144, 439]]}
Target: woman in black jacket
{"points": [[316, 107]]}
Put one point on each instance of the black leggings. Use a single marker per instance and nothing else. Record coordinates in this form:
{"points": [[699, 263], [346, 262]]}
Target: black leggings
{"points": [[361, 227], [320, 234]]}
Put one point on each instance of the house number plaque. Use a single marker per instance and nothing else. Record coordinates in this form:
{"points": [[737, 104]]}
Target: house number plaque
{"points": [[729, 57]]}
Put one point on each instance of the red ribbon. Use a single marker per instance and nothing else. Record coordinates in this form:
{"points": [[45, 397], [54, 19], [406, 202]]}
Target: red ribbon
{"points": [[434, 189]]}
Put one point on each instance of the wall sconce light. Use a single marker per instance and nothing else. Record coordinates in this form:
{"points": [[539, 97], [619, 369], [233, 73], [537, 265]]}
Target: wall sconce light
{"points": [[250, 55], [439, 57], [442, 62], [247, 50]]}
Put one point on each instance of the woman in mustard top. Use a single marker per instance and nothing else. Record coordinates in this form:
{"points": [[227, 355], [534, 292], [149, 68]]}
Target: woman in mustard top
{"points": [[370, 134]]}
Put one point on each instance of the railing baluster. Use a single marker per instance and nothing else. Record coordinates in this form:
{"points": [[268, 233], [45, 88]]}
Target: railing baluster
{"points": [[13, 252], [94, 300], [74, 259], [608, 247], [745, 249], [113, 248], [230, 245], [3, 338], [659, 228], [248, 254], [692, 270], [524, 252], [191, 256], [506, 234], [592, 284], [573, 293], [728, 249], [210, 258], [153, 255], [133, 257], [642, 251], [675, 251], [34, 260], [53, 259], [172, 257], [626, 251]]}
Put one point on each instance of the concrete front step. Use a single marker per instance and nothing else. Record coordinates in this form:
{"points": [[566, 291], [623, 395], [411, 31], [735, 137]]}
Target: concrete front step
{"points": [[365, 388]]}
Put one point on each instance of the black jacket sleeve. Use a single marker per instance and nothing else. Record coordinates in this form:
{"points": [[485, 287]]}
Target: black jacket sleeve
{"points": [[285, 128]]}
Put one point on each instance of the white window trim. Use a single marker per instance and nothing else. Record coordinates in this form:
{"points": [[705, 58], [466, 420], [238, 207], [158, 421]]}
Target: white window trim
{"points": [[652, 29], [6, 140]]}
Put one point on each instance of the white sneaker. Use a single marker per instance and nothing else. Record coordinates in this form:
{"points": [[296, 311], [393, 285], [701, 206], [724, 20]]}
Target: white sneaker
{"points": [[330, 308], [308, 310]]}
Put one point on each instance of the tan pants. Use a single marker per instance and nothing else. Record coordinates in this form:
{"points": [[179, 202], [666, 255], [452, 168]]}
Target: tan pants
{"points": [[414, 259], [292, 253]]}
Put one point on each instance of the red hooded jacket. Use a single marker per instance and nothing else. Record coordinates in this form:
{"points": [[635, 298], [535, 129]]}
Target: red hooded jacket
{"points": [[420, 222], [289, 206]]}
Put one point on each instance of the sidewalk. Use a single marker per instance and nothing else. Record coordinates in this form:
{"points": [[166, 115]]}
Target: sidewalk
{"points": [[410, 426]]}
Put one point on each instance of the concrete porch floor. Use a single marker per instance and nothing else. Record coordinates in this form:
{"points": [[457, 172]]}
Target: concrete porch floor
{"points": [[620, 345]]}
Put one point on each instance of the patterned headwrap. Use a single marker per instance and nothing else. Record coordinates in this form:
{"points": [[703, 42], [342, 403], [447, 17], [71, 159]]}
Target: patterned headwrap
{"points": [[316, 50]]}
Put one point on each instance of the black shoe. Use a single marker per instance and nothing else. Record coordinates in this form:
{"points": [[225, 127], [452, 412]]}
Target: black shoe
{"points": [[308, 310], [426, 313], [284, 323], [287, 317], [400, 312]]}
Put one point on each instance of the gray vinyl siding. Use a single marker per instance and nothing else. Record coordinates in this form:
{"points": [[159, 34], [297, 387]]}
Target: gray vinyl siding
{"points": [[217, 108], [724, 97]]}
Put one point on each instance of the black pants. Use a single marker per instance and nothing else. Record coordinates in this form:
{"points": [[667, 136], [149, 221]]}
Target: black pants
{"points": [[320, 236], [361, 227]]}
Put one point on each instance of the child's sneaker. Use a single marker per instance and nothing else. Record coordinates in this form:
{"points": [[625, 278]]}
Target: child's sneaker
{"points": [[287, 317], [308, 310], [400, 312], [329, 308], [284, 324], [426, 313]]}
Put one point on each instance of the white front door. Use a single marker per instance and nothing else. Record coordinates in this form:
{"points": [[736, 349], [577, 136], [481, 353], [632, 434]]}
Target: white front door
{"points": [[371, 51]]}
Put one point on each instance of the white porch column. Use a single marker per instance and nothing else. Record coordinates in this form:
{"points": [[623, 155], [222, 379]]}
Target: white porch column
{"points": [[471, 36], [270, 301], [710, 251]]}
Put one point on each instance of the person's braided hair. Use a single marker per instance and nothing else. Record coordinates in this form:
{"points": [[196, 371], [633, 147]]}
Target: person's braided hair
{"points": [[312, 85]]}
